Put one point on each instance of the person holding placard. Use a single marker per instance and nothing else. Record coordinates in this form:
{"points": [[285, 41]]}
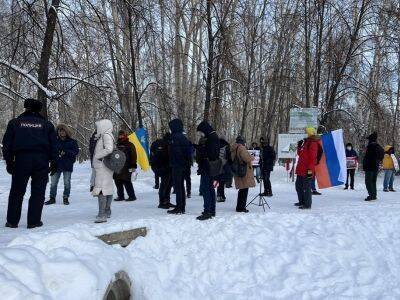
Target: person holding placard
{"points": [[352, 162]]}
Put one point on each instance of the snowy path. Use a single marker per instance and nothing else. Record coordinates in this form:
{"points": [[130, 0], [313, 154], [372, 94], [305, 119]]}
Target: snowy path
{"points": [[344, 248]]}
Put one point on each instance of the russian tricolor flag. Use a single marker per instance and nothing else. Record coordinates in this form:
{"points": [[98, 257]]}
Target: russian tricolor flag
{"points": [[332, 170]]}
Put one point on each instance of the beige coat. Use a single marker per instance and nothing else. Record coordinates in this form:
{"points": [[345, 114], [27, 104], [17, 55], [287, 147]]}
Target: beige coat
{"points": [[244, 156], [103, 176]]}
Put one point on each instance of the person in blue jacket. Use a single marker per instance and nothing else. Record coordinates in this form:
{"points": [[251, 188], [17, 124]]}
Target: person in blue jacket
{"points": [[29, 145], [67, 151]]}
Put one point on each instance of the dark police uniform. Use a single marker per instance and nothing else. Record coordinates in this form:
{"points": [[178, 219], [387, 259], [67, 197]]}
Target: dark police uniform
{"points": [[29, 144]]}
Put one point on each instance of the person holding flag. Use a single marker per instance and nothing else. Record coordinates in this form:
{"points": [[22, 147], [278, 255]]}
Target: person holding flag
{"points": [[307, 150]]}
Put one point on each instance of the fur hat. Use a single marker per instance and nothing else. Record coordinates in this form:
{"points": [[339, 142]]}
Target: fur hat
{"points": [[65, 128]]}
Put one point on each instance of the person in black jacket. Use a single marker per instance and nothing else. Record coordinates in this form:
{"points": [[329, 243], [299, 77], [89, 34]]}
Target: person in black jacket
{"points": [[160, 165], [67, 151], [153, 149], [268, 157], [29, 144], [179, 158], [372, 159], [350, 152], [124, 177], [209, 152]]}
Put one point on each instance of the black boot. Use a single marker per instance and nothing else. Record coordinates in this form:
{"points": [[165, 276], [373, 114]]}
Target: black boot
{"points": [[119, 199], [176, 211], [65, 200], [51, 201], [131, 198], [9, 225], [31, 226], [205, 216]]}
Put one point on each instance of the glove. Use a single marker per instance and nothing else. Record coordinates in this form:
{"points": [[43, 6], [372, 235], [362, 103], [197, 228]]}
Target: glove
{"points": [[300, 143], [309, 174], [53, 168], [10, 167]]}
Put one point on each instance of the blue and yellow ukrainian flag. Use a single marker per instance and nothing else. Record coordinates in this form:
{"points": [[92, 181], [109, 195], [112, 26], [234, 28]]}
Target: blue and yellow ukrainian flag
{"points": [[140, 139]]}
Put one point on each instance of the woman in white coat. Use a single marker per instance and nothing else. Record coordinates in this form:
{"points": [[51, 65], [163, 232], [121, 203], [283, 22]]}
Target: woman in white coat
{"points": [[103, 177]]}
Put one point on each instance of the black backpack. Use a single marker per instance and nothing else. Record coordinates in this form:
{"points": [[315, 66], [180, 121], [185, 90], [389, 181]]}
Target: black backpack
{"points": [[239, 169]]}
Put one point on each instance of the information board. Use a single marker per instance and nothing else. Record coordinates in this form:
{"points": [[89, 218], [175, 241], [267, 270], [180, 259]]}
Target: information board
{"points": [[287, 144]]}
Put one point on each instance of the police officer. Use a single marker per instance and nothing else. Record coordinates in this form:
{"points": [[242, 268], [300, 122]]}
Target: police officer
{"points": [[29, 144]]}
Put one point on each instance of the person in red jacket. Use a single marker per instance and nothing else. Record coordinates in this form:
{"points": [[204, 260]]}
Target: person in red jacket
{"points": [[307, 150]]}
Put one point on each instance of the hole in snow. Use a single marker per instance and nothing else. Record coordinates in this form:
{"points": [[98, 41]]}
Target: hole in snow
{"points": [[124, 238]]}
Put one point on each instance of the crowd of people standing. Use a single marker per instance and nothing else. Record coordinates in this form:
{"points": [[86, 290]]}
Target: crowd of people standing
{"points": [[32, 148]]}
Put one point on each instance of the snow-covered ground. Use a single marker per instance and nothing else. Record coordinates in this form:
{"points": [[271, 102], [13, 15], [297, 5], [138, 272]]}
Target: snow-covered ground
{"points": [[344, 248]]}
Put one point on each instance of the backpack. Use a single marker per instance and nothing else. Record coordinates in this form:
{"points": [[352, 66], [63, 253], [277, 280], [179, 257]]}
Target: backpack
{"points": [[239, 169], [115, 161], [217, 166]]}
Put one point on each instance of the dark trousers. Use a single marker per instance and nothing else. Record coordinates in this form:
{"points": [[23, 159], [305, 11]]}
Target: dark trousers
{"points": [[156, 180], [303, 189], [188, 181], [127, 184], [242, 199], [350, 173], [221, 189], [208, 193], [267, 182], [36, 167], [164, 192], [179, 186], [370, 182]]}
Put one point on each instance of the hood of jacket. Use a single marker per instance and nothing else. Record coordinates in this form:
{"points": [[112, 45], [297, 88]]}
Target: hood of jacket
{"points": [[372, 137], [388, 148], [65, 128], [103, 126], [176, 126], [205, 128]]}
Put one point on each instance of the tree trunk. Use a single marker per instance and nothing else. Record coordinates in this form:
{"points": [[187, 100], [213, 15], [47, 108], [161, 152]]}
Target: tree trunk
{"points": [[43, 72]]}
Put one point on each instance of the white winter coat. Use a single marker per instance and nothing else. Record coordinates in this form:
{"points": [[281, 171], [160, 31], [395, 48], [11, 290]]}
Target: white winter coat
{"points": [[103, 181]]}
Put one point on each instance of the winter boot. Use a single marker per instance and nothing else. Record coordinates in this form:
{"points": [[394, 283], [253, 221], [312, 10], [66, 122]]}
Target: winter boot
{"points": [[189, 195], [392, 190], [9, 225], [386, 190], [370, 198], [220, 199], [297, 204], [100, 219], [119, 199], [52, 200], [31, 226], [108, 207], [242, 210], [176, 211], [205, 216], [65, 200], [131, 198], [164, 205]]}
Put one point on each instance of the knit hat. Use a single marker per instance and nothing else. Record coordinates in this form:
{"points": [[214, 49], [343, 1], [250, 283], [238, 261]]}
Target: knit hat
{"points": [[240, 140], [33, 105], [311, 131], [373, 137]]}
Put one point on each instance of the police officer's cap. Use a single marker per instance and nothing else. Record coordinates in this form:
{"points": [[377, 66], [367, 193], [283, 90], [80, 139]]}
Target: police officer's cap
{"points": [[33, 105]]}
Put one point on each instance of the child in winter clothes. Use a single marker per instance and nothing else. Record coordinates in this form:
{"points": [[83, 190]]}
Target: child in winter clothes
{"points": [[389, 164]]}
